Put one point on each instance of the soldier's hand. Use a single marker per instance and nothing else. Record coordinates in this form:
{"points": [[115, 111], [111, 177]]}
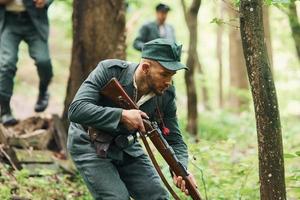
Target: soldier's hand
{"points": [[39, 3], [180, 183], [133, 120]]}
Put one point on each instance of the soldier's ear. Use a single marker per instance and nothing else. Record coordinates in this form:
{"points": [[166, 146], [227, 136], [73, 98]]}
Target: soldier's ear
{"points": [[146, 67]]}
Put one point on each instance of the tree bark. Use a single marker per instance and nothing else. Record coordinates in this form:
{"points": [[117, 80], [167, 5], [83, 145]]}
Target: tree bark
{"points": [[270, 150], [295, 25], [219, 47], [192, 61], [266, 19], [98, 34], [191, 21], [238, 74]]}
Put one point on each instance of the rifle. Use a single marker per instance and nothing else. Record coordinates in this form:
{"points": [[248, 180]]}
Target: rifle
{"points": [[5, 2], [114, 91]]}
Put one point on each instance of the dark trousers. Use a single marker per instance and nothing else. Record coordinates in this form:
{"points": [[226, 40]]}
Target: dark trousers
{"points": [[17, 28], [109, 179]]}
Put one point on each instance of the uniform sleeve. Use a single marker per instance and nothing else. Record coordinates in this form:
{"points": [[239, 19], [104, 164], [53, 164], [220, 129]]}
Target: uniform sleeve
{"points": [[173, 33], [84, 109], [141, 39], [174, 139]]}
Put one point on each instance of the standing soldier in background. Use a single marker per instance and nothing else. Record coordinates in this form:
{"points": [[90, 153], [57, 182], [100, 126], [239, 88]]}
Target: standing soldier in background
{"points": [[155, 29], [25, 20]]}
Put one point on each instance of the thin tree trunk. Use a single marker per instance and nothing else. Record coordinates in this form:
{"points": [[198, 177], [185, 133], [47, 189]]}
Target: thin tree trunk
{"points": [[266, 19], [192, 61], [219, 46], [98, 34], [193, 26], [295, 25], [238, 74], [270, 150]]}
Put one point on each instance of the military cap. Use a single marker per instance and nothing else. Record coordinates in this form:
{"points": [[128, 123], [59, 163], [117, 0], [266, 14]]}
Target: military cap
{"points": [[162, 7], [164, 51]]}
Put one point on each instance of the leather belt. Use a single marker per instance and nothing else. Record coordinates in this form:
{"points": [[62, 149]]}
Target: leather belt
{"points": [[18, 15]]}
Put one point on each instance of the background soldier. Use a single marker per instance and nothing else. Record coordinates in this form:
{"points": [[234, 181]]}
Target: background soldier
{"points": [[126, 171], [155, 29], [25, 20]]}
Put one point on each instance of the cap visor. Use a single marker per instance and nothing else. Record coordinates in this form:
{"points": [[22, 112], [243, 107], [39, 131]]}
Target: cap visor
{"points": [[173, 66]]}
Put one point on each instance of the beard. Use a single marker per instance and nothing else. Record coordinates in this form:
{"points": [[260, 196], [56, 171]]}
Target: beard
{"points": [[152, 87], [156, 91]]}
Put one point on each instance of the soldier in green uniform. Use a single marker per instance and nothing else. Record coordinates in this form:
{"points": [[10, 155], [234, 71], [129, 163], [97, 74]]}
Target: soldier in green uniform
{"points": [[126, 171], [23, 20], [155, 29]]}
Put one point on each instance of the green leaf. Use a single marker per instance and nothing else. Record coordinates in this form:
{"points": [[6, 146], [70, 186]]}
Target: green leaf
{"points": [[279, 1], [289, 155], [218, 21], [297, 153]]}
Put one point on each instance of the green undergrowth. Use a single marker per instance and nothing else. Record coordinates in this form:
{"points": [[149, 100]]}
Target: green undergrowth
{"points": [[224, 163]]}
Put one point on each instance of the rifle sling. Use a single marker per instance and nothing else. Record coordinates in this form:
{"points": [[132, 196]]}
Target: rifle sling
{"points": [[144, 139]]}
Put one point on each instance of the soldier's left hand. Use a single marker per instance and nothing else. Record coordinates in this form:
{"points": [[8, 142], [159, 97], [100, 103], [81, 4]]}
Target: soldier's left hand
{"points": [[180, 183], [39, 3]]}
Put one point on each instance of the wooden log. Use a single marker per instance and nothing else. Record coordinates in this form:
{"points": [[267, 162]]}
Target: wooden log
{"points": [[66, 165], [37, 160], [34, 156], [9, 154], [3, 135], [60, 134], [37, 139]]}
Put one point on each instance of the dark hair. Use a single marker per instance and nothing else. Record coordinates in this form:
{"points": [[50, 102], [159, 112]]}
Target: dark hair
{"points": [[162, 7]]}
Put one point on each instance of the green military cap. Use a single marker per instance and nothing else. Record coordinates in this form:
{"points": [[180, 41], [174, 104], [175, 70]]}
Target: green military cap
{"points": [[164, 51]]}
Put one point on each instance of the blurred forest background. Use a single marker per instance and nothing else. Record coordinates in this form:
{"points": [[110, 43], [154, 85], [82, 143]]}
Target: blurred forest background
{"points": [[225, 160]]}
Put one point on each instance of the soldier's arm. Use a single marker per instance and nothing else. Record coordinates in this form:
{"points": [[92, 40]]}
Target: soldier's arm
{"points": [[48, 2], [84, 109], [42, 3], [174, 138], [141, 39], [173, 33]]}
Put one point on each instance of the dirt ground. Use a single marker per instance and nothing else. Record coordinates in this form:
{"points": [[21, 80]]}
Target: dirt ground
{"points": [[24, 108]]}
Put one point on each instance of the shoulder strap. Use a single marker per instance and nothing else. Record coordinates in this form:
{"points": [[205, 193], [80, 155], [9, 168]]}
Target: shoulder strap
{"points": [[144, 139]]}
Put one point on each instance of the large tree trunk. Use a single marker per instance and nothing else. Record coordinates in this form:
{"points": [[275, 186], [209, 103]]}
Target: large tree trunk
{"points": [[238, 74], [270, 150], [98, 34], [295, 25], [192, 61]]}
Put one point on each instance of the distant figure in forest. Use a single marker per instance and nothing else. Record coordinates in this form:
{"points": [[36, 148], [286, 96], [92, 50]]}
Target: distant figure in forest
{"points": [[155, 29], [111, 170], [23, 20]]}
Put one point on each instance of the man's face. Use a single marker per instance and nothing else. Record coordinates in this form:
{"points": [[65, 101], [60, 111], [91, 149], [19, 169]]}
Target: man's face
{"points": [[161, 16], [158, 78]]}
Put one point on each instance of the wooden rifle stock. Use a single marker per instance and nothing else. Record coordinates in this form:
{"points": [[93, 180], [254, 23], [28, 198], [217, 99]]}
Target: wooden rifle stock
{"points": [[114, 91], [5, 2]]}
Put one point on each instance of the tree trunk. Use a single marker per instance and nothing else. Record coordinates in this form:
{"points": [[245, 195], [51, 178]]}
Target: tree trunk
{"points": [[238, 74], [295, 25], [191, 21], [219, 47], [192, 62], [270, 150], [98, 34], [266, 19]]}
